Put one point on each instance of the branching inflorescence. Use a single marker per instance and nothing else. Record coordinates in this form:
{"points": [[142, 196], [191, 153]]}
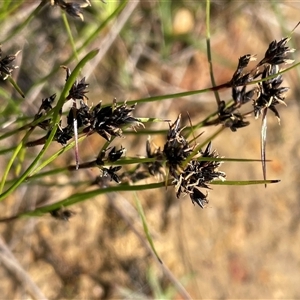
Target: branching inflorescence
{"points": [[183, 165], [196, 174], [108, 122], [266, 94]]}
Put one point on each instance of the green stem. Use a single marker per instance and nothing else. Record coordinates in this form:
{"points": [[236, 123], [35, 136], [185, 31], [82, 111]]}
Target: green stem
{"points": [[56, 116], [12, 159], [67, 26], [208, 48]]}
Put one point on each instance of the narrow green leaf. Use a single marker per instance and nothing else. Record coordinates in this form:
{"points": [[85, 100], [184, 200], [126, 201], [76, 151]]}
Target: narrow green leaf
{"points": [[12, 159], [246, 182], [208, 51], [145, 226], [70, 35], [57, 109], [15, 85], [80, 197]]}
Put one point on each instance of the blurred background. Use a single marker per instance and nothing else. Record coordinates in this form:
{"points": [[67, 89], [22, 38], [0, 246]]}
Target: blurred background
{"points": [[244, 244]]}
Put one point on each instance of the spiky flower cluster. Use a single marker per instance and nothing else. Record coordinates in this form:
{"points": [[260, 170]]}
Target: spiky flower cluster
{"points": [[270, 92], [277, 53], [190, 169], [264, 95], [6, 68], [190, 175], [73, 9], [107, 121], [176, 149], [108, 173]]}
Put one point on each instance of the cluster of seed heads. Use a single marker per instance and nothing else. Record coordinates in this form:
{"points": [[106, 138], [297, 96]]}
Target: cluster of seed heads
{"points": [[108, 122], [189, 175], [187, 168], [266, 94]]}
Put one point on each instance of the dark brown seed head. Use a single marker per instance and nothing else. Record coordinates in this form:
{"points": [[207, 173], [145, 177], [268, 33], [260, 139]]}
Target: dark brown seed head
{"points": [[115, 155], [155, 168], [108, 121], [277, 53], [5, 64], [72, 8], [78, 89], [239, 78], [176, 149], [196, 174], [62, 214], [45, 107], [111, 172], [270, 92]]}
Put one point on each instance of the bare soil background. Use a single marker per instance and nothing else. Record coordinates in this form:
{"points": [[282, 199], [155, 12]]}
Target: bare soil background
{"points": [[244, 244]]}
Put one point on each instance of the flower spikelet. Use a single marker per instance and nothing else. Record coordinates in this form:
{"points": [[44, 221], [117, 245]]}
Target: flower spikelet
{"points": [[197, 173]]}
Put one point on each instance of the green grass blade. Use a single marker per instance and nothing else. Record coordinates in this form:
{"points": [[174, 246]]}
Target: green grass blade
{"points": [[80, 197], [168, 96], [85, 44], [70, 35], [145, 226], [54, 156], [12, 159], [208, 49], [6, 10], [246, 182], [166, 26], [56, 113], [15, 85]]}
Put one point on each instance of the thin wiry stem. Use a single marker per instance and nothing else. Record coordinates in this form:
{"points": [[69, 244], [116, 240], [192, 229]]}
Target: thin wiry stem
{"points": [[57, 109], [71, 39], [121, 207], [12, 159], [208, 49], [15, 85]]}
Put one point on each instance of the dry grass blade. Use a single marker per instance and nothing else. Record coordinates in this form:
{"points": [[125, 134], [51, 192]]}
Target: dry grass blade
{"points": [[263, 142], [112, 35], [9, 261], [75, 134], [128, 214]]}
